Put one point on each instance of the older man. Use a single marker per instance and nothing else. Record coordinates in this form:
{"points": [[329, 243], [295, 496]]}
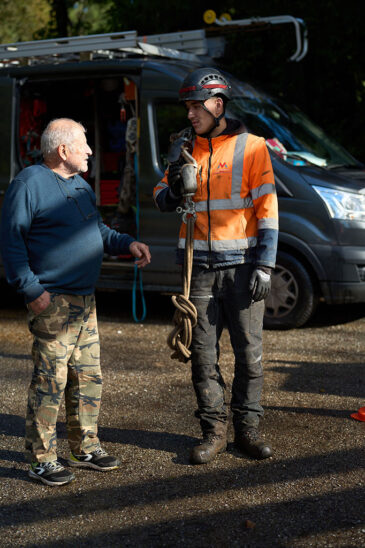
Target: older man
{"points": [[52, 243]]}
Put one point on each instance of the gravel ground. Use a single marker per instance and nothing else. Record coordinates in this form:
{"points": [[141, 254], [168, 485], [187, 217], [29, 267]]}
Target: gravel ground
{"points": [[310, 493]]}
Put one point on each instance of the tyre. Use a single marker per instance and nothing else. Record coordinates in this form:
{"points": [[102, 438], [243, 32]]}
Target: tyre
{"points": [[292, 300]]}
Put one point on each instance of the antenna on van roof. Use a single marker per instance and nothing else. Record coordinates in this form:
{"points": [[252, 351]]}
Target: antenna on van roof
{"points": [[301, 33]]}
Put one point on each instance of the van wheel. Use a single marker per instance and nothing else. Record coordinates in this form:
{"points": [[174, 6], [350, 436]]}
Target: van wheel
{"points": [[292, 300]]}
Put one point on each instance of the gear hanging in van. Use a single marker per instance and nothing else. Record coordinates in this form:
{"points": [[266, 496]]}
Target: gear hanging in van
{"points": [[124, 219]]}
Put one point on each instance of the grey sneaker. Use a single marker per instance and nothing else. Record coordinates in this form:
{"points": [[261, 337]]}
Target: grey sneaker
{"points": [[50, 473], [98, 460]]}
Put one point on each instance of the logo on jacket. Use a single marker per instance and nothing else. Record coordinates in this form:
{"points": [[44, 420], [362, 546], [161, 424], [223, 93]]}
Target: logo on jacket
{"points": [[222, 167]]}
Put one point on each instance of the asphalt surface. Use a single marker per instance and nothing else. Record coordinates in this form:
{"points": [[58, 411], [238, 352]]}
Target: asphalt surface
{"points": [[310, 493]]}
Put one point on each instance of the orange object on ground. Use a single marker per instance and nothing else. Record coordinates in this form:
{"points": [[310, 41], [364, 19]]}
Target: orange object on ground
{"points": [[360, 415]]}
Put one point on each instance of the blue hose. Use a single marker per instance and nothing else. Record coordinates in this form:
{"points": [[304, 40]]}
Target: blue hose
{"points": [[137, 271]]}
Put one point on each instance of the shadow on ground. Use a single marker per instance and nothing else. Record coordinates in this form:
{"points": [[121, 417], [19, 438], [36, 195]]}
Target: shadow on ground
{"points": [[273, 520], [321, 377], [327, 315]]}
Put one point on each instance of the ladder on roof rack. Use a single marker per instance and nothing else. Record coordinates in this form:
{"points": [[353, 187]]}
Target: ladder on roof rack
{"points": [[187, 45], [183, 45]]}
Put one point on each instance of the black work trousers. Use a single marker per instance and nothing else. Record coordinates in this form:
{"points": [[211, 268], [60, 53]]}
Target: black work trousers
{"points": [[223, 297]]}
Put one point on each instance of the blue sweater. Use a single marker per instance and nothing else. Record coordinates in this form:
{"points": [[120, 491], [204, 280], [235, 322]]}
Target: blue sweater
{"points": [[52, 236]]}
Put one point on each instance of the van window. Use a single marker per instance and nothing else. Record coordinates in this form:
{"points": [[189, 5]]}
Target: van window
{"points": [[287, 130], [170, 118]]}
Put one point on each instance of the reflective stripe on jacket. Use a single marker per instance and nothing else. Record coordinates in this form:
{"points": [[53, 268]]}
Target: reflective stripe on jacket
{"points": [[236, 202]]}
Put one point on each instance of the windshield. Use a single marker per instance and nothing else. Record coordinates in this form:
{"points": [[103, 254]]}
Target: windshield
{"points": [[287, 130]]}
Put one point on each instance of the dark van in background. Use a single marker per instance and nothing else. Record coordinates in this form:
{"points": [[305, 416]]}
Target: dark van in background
{"points": [[127, 100]]}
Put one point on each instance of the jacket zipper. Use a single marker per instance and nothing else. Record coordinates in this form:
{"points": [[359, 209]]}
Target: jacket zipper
{"points": [[208, 197]]}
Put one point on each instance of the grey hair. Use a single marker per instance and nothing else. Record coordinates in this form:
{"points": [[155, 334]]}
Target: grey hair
{"points": [[60, 131]]}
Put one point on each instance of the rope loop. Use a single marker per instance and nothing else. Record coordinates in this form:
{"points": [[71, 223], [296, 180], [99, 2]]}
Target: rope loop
{"points": [[185, 318]]}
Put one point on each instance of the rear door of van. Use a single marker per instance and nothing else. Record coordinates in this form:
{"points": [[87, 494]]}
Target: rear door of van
{"points": [[7, 128]]}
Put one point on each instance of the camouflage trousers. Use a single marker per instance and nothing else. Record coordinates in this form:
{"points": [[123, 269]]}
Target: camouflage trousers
{"points": [[66, 356]]}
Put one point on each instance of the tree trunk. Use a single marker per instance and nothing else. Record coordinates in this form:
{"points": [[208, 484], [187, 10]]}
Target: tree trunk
{"points": [[61, 14]]}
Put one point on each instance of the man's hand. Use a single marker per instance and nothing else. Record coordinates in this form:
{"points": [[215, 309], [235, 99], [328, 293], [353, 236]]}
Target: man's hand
{"points": [[141, 252], [40, 303], [174, 179], [260, 284]]}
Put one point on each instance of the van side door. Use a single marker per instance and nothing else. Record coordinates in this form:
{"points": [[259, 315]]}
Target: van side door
{"points": [[160, 116]]}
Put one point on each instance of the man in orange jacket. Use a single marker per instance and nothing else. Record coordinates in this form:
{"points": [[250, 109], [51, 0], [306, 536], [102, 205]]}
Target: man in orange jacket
{"points": [[235, 243]]}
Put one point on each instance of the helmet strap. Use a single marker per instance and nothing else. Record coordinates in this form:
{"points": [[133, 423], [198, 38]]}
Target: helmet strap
{"points": [[216, 119]]}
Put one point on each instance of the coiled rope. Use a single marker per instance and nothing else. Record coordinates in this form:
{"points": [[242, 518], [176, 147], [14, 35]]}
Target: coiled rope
{"points": [[185, 316]]}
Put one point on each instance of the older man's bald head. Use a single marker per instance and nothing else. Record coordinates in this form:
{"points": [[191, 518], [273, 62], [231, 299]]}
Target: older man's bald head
{"points": [[61, 131]]}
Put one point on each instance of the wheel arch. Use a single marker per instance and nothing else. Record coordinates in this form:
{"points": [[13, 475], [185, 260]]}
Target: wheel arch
{"points": [[304, 254]]}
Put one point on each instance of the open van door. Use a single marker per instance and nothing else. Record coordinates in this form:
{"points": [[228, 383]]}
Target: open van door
{"points": [[7, 129]]}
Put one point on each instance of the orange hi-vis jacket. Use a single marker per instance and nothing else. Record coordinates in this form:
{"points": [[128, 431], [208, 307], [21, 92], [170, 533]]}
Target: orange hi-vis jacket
{"points": [[236, 203]]}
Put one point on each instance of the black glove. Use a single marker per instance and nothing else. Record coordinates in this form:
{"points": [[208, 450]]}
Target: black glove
{"points": [[260, 284], [174, 179]]}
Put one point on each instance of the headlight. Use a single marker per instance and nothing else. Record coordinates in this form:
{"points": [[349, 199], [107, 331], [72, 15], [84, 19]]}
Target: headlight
{"points": [[343, 205]]}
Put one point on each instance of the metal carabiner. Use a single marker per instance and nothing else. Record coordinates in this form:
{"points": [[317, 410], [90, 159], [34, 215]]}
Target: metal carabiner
{"points": [[188, 209]]}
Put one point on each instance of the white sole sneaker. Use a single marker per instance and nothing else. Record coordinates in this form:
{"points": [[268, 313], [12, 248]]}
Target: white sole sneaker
{"points": [[89, 463], [51, 483]]}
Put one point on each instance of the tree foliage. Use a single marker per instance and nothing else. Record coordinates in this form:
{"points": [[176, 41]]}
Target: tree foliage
{"points": [[329, 84], [90, 17], [21, 20]]}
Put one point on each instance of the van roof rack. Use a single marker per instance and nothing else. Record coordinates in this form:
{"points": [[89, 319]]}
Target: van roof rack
{"points": [[258, 23], [182, 45], [188, 45]]}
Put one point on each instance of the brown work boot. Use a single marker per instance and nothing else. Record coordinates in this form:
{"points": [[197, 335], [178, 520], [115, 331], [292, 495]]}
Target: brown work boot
{"points": [[211, 445], [249, 441]]}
